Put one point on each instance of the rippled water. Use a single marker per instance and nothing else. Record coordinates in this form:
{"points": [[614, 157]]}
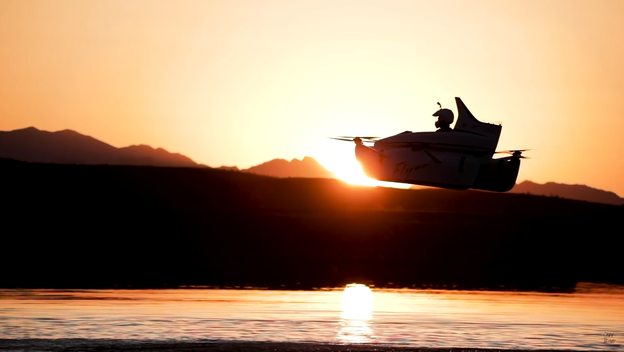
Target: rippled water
{"points": [[423, 318]]}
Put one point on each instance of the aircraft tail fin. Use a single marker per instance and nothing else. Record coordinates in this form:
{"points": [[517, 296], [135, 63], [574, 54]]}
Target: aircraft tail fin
{"points": [[466, 122]]}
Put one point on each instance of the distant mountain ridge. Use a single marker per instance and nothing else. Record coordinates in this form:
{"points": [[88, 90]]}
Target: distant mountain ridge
{"points": [[70, 147], [307, 167], [577, 192]]}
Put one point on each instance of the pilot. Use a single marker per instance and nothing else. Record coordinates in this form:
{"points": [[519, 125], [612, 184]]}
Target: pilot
{"points": [[445, 119]]}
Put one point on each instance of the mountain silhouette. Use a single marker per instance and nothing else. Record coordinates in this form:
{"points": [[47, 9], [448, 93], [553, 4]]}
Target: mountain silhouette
{"points": [[229, 168], [576, 192], [307, 167], [70, 147]]}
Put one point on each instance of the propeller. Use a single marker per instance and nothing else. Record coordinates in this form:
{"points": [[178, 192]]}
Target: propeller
{"points": [[517, 153], [357, 140], [352, 138]]}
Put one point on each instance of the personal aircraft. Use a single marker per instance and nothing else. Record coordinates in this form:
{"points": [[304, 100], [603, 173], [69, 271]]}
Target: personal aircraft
{"points": [[457, 158]]}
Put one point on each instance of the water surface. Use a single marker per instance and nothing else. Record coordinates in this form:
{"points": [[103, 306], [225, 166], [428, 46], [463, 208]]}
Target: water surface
{"points": [[415, 318]]}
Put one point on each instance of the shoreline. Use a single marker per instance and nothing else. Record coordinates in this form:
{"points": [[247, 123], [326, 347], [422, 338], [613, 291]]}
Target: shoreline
{"points": [[581, 287], [73, 345]]}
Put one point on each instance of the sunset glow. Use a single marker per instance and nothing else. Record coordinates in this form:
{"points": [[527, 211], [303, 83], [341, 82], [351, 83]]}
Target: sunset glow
{"points": [[242, 82], [339, 157], [357, 302]]}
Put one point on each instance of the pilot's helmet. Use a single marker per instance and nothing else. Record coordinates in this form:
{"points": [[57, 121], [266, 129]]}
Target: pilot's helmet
{"points": [[445, 115]]}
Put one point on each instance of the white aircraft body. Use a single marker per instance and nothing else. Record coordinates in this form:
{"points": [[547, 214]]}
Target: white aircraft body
{"points": [[457, 158]]}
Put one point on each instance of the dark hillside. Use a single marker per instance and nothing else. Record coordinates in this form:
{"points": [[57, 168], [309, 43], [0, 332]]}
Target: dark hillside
{"points": [[578, 192], [70, 147], [121, 226]]}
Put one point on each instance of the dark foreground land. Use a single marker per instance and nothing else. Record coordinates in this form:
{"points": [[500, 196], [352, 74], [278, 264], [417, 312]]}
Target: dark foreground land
{"points": [[124, 226], [76, 345]]}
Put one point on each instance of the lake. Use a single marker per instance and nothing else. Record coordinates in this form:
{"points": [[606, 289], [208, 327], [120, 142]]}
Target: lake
{"points": [[590, 318]]}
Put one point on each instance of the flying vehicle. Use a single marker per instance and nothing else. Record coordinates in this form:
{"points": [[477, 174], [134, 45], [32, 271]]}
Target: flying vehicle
{"points": [[460, 158]]}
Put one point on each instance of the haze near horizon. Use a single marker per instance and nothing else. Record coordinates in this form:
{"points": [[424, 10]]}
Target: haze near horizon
{"points": [[241, 82]]}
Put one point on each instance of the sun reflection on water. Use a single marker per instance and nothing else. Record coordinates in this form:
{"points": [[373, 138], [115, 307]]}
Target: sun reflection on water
{"points": [[356, 313]]}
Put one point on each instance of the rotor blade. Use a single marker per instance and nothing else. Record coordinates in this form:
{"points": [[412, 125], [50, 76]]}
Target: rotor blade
{"points": [[342, 139], [353, 137], [346, 139], [511, 151], [512, 157]]}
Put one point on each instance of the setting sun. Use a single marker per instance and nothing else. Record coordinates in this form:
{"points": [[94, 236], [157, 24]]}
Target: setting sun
{"points": [[339, 157]]}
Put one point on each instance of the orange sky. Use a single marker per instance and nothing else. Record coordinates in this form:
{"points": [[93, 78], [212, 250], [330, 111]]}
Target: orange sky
{"points": [[243, 82]]}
